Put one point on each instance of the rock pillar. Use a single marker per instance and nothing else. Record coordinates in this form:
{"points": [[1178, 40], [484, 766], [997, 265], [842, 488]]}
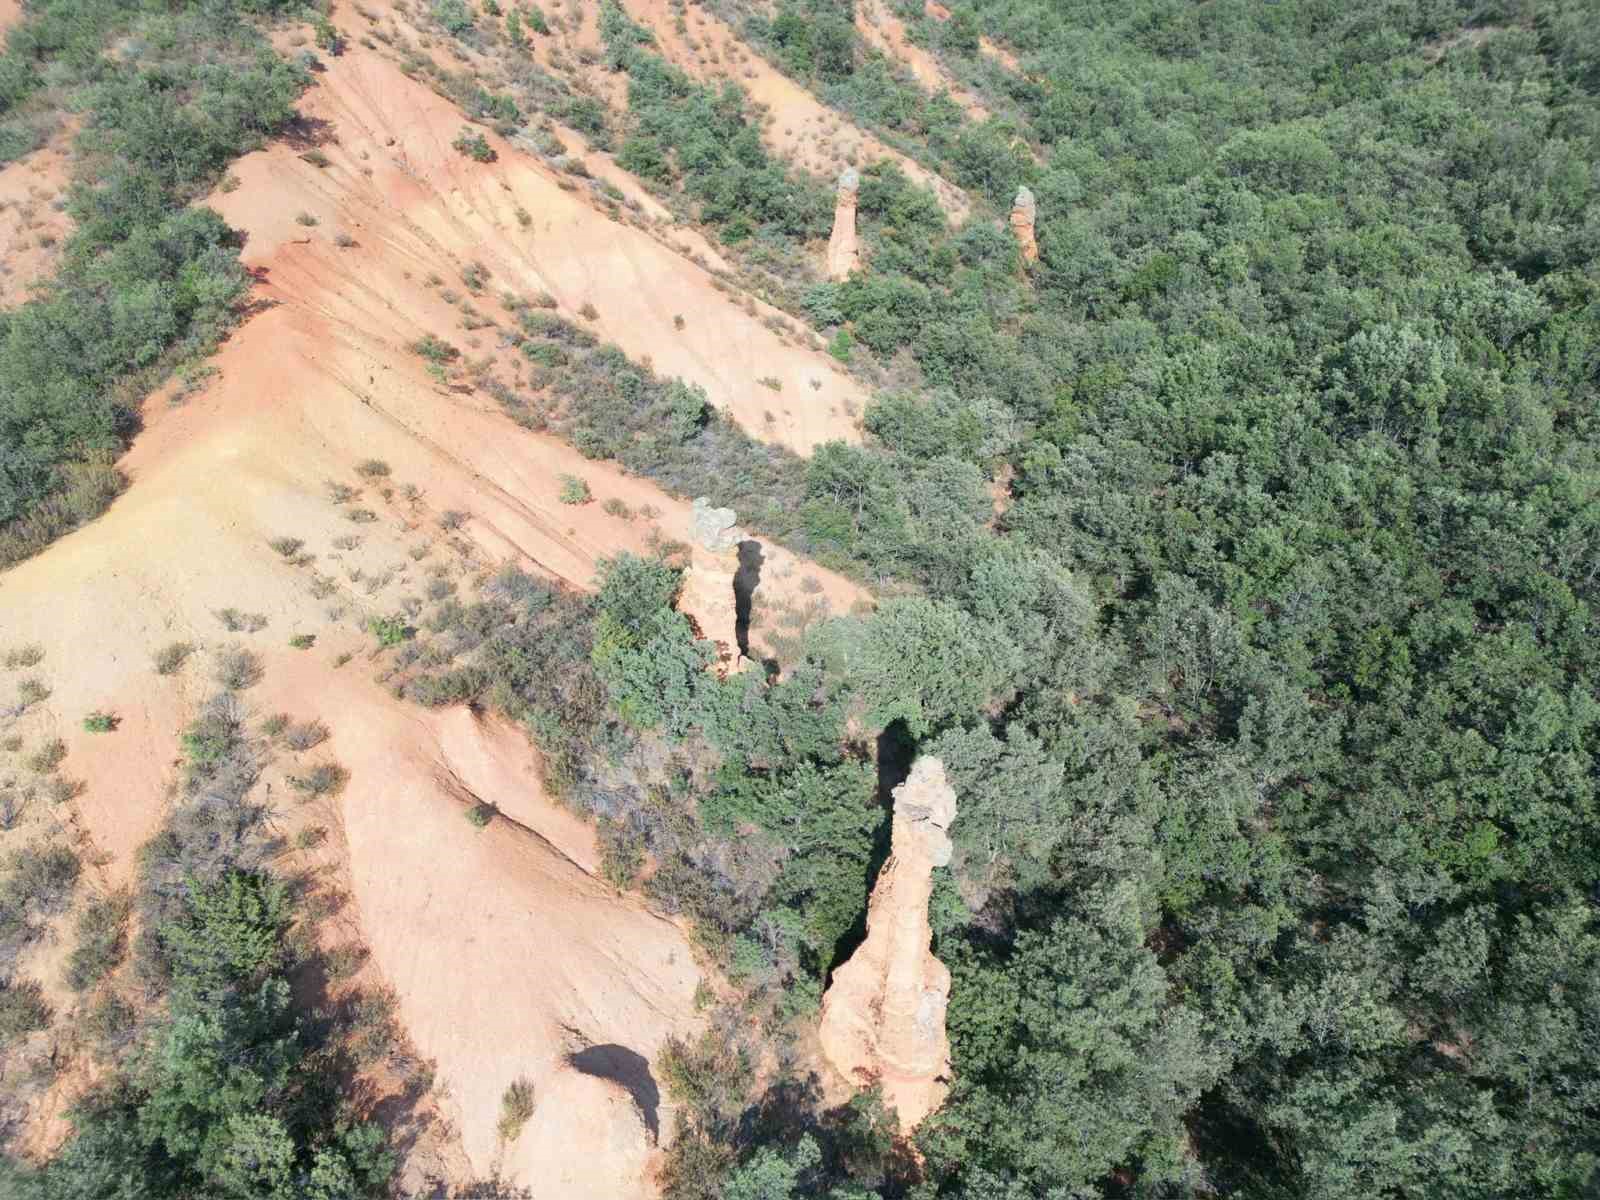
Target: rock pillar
{"points": [[883, 1015], [707, 595], [843, 254], [1022, 216]]}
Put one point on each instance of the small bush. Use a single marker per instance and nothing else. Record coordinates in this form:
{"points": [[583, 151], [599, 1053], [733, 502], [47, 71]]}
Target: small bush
{"points": [[31, 692], [100, 722], [310, 837], [303, 641], [325, 779], [453, 518], [319, 160], [275, 724], [24, 656], [390, 631], [617, 508], [475, 275], [235, 621], [306, 219], [306, 735], [238, 668], [516, 1106], [372, 468], [479, 815], [286, 547], [474, 145], [343, 240], [574, 490], [361, 516], [771, 382], [171, 657], [102, 940], [341, 493], [22, 1009], [588, 312], [39, 878], [47, 757], [341, 962]]}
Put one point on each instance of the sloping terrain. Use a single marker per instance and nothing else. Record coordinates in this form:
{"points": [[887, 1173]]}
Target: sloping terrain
{"points": [[33, 223], [509, 957], [798, 126]]}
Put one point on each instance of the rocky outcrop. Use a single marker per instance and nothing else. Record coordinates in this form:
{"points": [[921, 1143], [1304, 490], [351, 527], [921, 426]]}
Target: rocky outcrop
{"points": [[716, 529], [576, 1109], [883, 1015], [843, 254], [1022, 218], [708, 595]]}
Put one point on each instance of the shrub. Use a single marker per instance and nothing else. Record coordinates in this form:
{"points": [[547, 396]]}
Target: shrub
{"points": [[390, 631], [319, 160], [361, 516], [100, 722], [435, 350], [305, 218], [341, 493], [453, 16], [47, 757], [102, 940], [618, 508], [372, 468], [574, 490], [275, 724], [22, 1009], [475, 275], [588, 312], [322, 780], [286, 547], [235, 621], [303, 641], [238, 668], [516, 1106], [474, 145], [39, 879], [171, 657], [24, 656], [343, 240], [32, 691], [479, 815], [306, 735]]}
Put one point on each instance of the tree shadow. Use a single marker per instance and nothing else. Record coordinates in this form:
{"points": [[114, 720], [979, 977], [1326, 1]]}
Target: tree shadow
{"points": [[896, 749], [631, 1070], [745, 581]]}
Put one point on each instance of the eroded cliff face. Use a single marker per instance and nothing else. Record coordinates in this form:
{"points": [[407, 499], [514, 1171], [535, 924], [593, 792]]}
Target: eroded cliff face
{"points": [[843, 254], [883, 1017]]}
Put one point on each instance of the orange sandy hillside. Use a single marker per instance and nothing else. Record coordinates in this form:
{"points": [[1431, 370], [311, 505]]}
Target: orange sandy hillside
{"points": [[508, 956], [32, 226], [886, 32], [411, 203], [798, 127]]}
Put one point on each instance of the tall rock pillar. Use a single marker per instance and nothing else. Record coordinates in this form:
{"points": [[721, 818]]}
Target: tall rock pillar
{"points": [[707, 595], [1022, 217], [883, 1015], [843, 254]]}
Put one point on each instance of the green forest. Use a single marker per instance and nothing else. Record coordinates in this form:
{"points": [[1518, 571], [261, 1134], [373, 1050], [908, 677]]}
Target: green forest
{"points": [[1269, 696]]}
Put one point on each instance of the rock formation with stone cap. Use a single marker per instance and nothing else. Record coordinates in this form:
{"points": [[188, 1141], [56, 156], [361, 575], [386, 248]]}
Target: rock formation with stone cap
{"points": [[716, 529], [843, 254], [708, 583], [883, 1015], [1023, 211]]}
